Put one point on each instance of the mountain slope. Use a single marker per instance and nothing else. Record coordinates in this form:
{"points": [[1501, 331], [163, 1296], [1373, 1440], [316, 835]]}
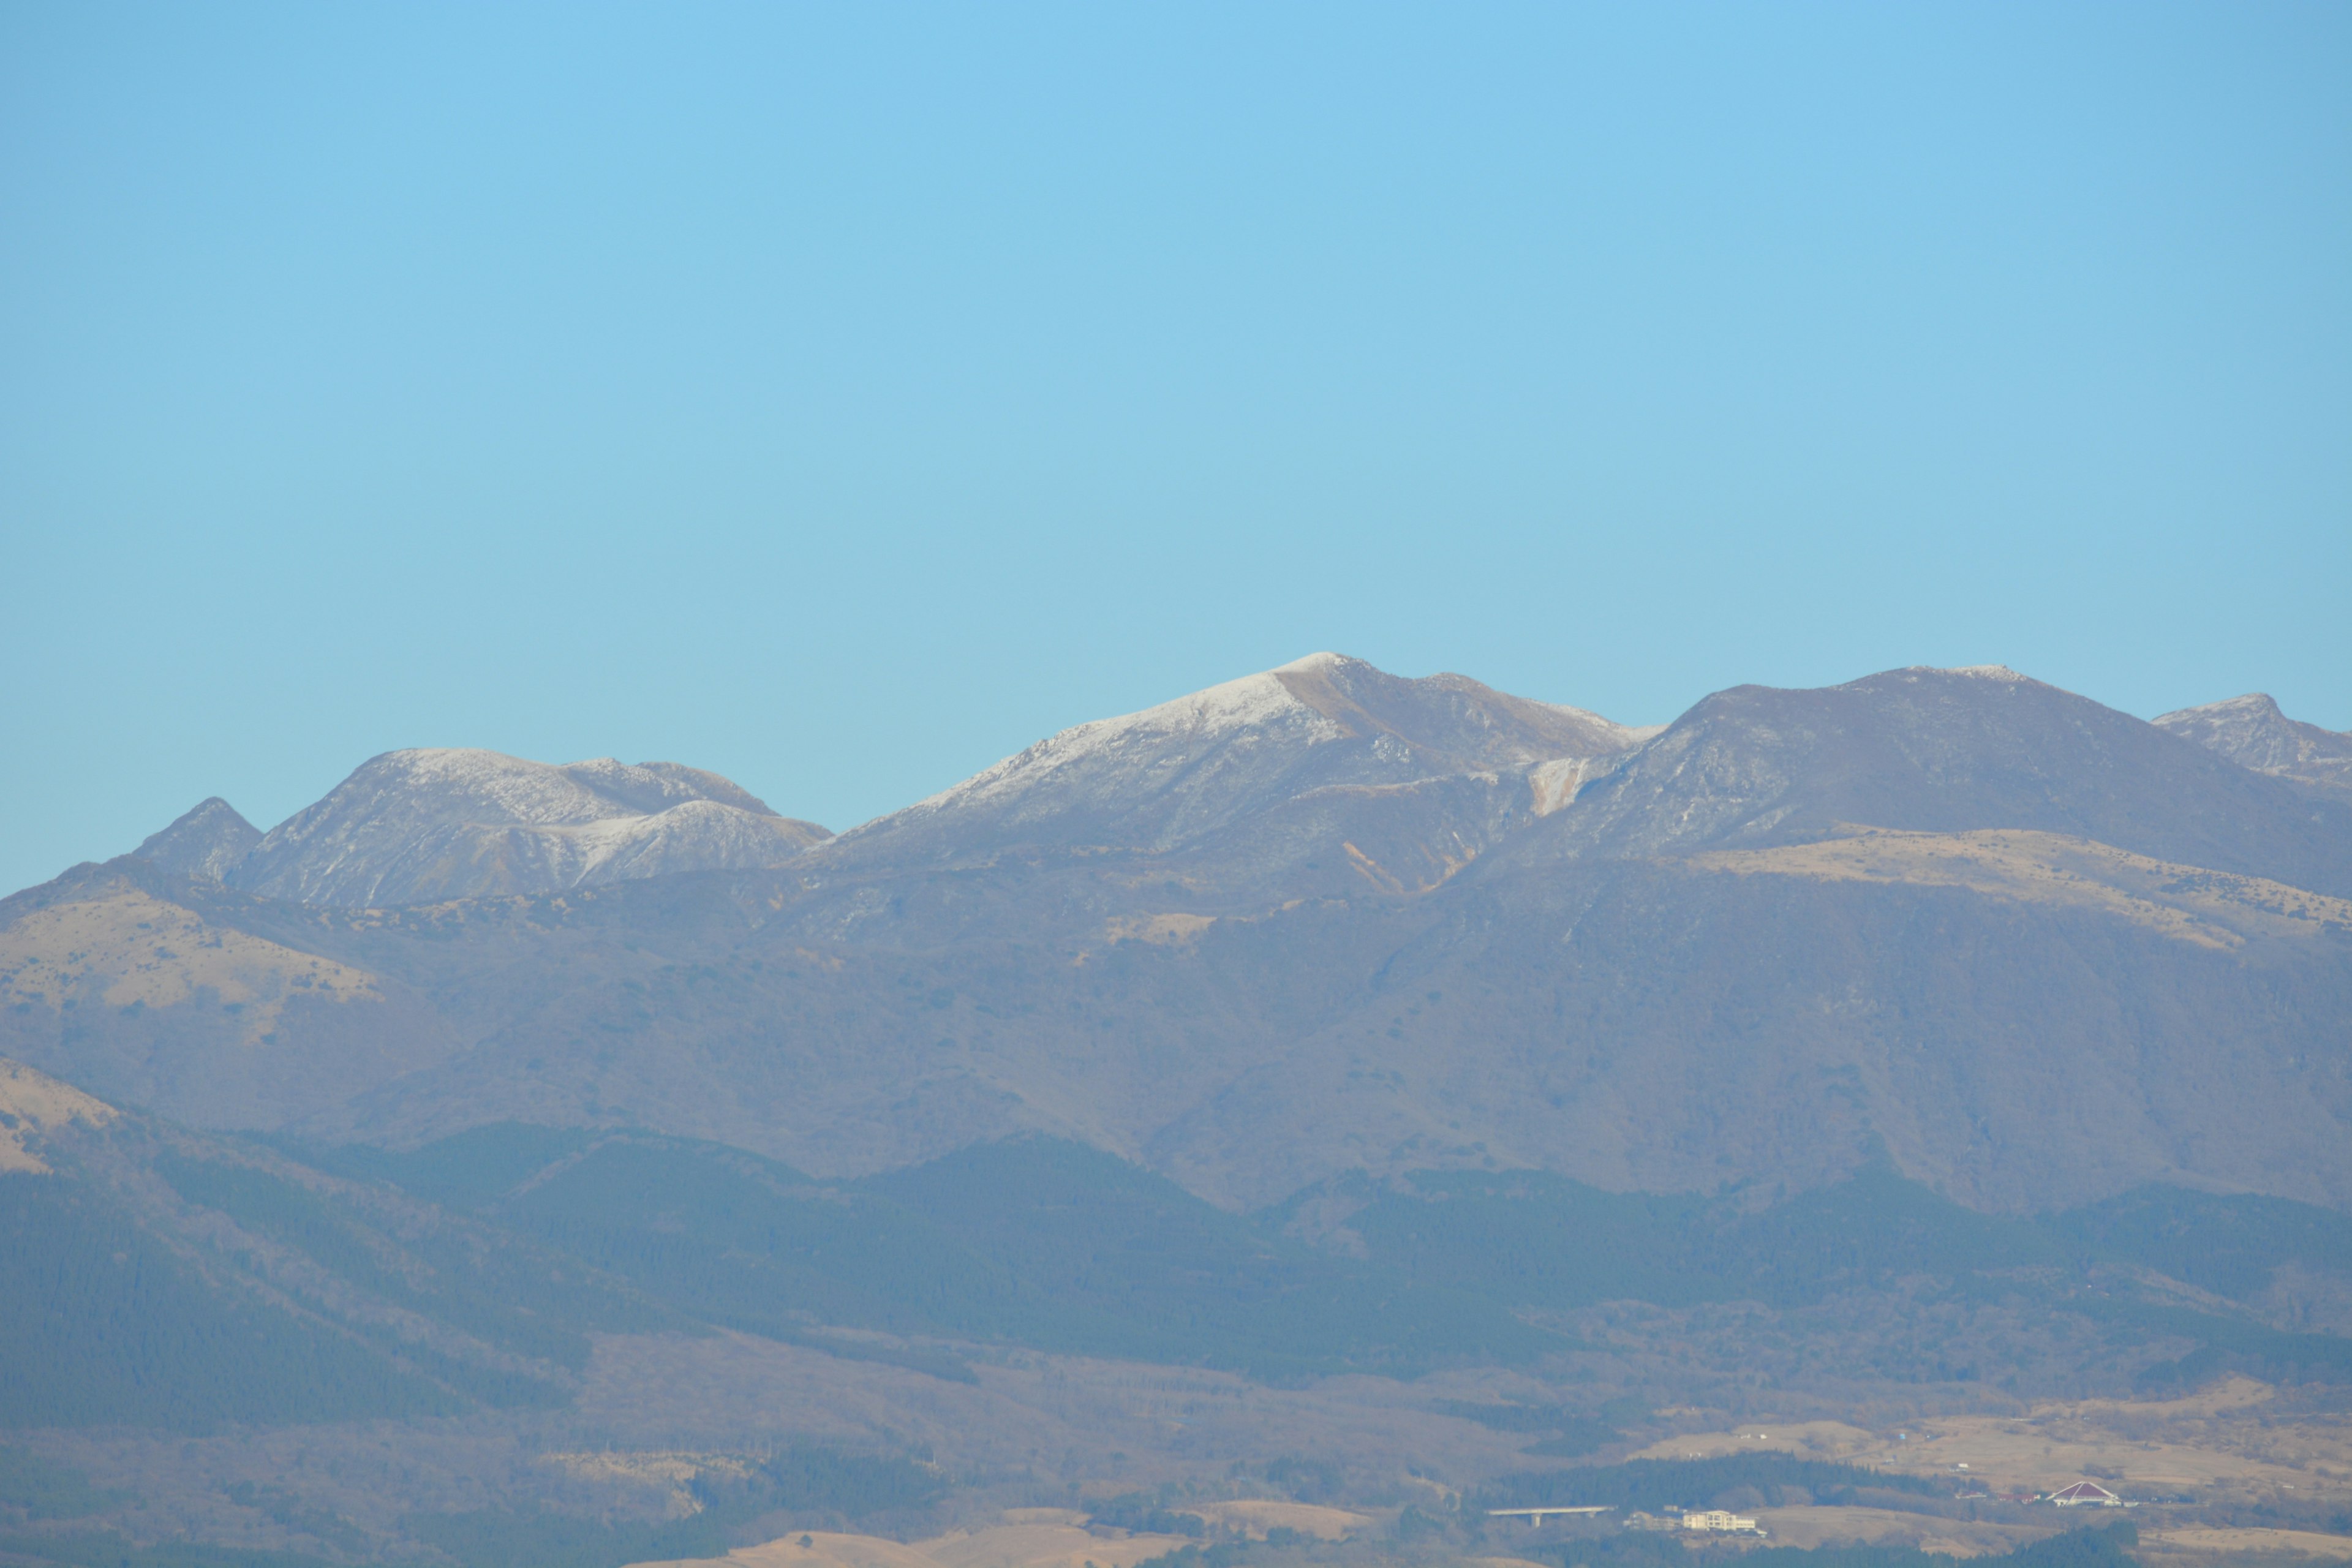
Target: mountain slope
{"points": [[420, 827], [167, 991], [2251, 732], [152, 1278], [2012, 1036]]}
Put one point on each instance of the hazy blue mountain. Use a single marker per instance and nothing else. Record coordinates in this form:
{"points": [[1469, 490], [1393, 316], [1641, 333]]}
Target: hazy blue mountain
{"points": [[149, 1276], [1045, 1243], [1948, 751]]}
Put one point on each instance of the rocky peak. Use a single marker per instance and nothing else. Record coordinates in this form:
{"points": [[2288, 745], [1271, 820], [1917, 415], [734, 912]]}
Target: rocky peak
{"points": [[209, 840], [2253, 732]]}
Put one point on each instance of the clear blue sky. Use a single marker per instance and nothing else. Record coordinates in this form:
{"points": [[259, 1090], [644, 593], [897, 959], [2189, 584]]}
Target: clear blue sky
{"points": [[842, 397]]}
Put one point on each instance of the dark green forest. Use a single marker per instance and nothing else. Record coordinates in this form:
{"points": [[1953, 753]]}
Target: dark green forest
{"points": [[519, 1242], [103, 1324], [1032, 1242], [2093, 1548], [104, 1549], [33, 1488], [1536, 1239], [811, 1486], [1036, 1242], [1654, 1484]]}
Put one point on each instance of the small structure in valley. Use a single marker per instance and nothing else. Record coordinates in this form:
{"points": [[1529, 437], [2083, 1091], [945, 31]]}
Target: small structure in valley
{"points": [[1721, 1522], [2085, 1494], [1538, 1515]]}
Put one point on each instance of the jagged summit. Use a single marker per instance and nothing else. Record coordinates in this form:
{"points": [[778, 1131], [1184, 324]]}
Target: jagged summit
{"points": [[210, 840], [496, 788], [2253, 732], [421, 825], [1162, 777]]}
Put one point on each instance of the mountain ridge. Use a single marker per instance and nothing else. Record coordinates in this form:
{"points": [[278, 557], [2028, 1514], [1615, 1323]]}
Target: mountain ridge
{"points": [[1989, 930], [1947, 751], [1163, 777]]}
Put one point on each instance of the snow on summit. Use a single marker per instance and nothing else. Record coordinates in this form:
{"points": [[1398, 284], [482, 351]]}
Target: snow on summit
{"points": [[437, 823], [1253, 703], [1159, 776]]}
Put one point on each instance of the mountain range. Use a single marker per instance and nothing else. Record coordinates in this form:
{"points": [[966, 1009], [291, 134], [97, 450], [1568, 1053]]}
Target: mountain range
{"points": [[2018, 946], [1326, 1087]]}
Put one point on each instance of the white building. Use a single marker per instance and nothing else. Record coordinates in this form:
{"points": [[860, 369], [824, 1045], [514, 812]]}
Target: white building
{"points": [[1715, 1519]]}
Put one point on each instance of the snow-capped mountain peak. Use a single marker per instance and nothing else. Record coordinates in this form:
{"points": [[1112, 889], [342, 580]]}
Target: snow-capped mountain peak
{"points": [[435, 823], [1161, 776]]}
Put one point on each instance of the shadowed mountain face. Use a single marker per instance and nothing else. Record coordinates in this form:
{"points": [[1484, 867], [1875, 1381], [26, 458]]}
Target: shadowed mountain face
{"points": [[283, 1283], [2030, 950], [154, 1278], [2251, 732], [1950, 750]]}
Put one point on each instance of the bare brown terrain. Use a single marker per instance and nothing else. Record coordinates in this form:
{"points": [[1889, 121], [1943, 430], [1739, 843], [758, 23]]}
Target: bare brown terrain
{"points": [[1255, 1516], [2224, 1442], [1030, 1537], [31, 1101], [2186, 903], [1022, 1541], [1887, 1527], [2198, 1541]]}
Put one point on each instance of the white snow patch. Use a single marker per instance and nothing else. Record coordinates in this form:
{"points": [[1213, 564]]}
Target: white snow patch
{"points": [[1313, 664], [1229, 710]]}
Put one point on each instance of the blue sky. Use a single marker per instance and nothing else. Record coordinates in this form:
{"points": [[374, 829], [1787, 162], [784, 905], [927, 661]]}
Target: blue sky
{"points": [[841, 398]]}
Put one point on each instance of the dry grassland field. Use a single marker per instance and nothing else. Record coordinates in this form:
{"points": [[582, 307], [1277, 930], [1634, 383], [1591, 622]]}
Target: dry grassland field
{"points": [[1024, 1540], [2229, 1441]]}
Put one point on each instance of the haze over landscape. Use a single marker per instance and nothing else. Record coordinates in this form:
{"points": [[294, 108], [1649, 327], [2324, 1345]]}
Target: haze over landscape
{"points": [[1247, 789]]}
